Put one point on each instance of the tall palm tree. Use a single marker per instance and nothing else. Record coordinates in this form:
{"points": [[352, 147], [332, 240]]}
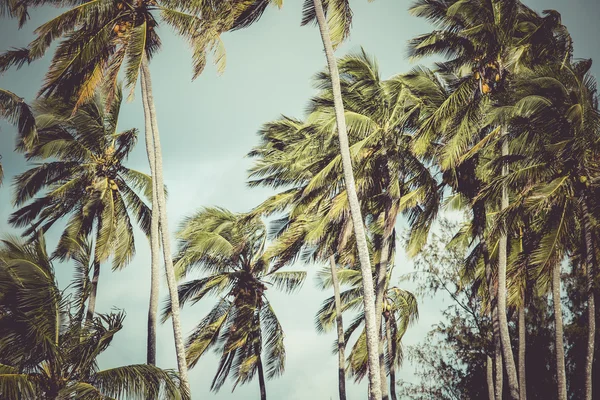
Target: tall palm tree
{"points": [[389, 177], [98, 39], [80, 175], [560, 108], [230, 249], [490, 40], [14, 109], [45, 351]]}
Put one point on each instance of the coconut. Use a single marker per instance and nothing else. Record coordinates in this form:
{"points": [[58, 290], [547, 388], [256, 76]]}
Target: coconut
{"points": [[486, 88], [498, 77]]}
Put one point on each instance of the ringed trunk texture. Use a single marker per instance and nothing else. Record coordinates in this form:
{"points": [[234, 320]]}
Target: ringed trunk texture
{"points": [[372, 333], [340, 330], [509, 361], [392, 357], [154, 246], [164, 225], [93, 293], [489, 375], [561, 376], [591, 309], [261, 380], [522, 348]]}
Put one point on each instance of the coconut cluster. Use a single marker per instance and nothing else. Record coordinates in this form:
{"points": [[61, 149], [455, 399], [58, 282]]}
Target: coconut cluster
{"points": [[488, 75]]}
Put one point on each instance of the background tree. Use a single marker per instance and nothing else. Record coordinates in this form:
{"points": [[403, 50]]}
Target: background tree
{"points": [[229, 248]]}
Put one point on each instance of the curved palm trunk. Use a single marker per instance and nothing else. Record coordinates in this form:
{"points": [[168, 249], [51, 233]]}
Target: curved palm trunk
{"points": [[591, 309], [509, 361], [392, 357], [340, 330], [156, 170], [154, 247], [372, 333], [261, 380], [489, 377], [93, 293], [522, 348], [558, 335]]}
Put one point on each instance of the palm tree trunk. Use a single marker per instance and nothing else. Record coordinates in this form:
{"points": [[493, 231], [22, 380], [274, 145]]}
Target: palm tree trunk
{"points": [[509, 361], [392, 357], [93, 292], [340, 330], [154, 248], [372, 333], [558, 335], [156, 170], [498, 355], [379, 294], [489, 365], [497, 381], [591, 309], [261, 380], [522, 348]]}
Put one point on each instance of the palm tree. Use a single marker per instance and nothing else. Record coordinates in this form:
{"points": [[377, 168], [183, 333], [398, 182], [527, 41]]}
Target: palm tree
{"points": [[14, 109], [98, 38], [230, 249], [559, 106], [389, 177], [399, 311], [487, 39], [83, 178], [45, 351]]}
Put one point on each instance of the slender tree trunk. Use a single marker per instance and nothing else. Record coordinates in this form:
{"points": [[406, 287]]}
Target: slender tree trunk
{"points": [[509, 361], [497, 381], [498, 355], [591, 309], [489, 365], [522, 348], [392, 357], [558, 335], [157, 175], [382, 366], [379, 294], [340, 329], [93, 293], [154, 245], [372, 333], [261, 380]]}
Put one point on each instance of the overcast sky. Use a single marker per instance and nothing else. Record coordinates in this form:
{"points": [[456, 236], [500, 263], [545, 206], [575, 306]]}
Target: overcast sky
{"points": [[207, 127]]}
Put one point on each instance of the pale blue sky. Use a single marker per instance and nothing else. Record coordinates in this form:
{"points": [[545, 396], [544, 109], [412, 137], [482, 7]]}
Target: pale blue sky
{"points": [[207, 127]]}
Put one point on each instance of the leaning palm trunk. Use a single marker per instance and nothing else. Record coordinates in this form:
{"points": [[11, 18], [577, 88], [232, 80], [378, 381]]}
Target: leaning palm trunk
{"points": [[154, 248], [261, 380], [391, 356], [509, 361], [372, 331], [558, 335], [589, 271], [522, 348], [156, 170], [93, 293], [341, 341]]}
